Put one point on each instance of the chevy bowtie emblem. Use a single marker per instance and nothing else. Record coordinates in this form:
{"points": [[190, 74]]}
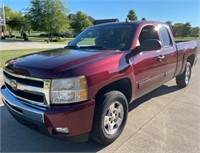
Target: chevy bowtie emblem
{"points": [[13, 84]]}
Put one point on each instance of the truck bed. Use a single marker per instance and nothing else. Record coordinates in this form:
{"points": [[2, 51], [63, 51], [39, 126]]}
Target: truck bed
{"points": [[188, 47]]}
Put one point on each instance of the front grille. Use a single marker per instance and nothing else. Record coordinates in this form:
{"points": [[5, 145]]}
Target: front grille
{"points": [[25, 81], [26, 95], [28, 89]]}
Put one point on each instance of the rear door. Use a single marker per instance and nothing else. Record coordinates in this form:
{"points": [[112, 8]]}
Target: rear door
{"points": [[170, 52], [149, 66]]}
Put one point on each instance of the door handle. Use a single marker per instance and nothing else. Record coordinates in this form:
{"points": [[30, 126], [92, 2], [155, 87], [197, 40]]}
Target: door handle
{"points": [[161, 57]]}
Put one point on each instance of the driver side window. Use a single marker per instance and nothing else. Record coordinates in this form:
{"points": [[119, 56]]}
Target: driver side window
{"points": [[148, 32]]}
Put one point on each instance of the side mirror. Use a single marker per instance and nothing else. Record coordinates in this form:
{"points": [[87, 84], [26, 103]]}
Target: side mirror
{"points": [[151, 44]]}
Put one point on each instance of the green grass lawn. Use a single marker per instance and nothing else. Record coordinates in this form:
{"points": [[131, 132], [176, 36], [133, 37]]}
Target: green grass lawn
{"points": [[44, 39], [186, 38], [9, 54]]}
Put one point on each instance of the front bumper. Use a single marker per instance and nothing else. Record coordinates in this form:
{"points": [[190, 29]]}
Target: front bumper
{"points": [[77, 118]]}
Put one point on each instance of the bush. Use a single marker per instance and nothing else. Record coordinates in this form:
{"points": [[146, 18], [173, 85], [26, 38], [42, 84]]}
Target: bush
{"points": [[46, 40], [63, 35], [12, 36], [43, 35], [58, 39], [19, 37]]}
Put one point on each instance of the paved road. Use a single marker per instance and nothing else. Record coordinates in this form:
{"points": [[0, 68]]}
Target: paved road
{"points": [[13, 44], [163, 121]]}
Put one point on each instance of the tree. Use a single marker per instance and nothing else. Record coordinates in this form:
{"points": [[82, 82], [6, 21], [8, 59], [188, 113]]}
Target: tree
{"points": [[26, 24], [49, 16], [80, 22], [16, 23], [35, 14], [14, 20], [132, 15], [169, 23], [186, 30], [143, 19], [8, 13], [177, 29], [195, 32]]}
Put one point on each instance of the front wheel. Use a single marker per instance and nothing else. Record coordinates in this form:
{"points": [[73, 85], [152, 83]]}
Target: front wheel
{"points": [[110, 117], [184, 79]]}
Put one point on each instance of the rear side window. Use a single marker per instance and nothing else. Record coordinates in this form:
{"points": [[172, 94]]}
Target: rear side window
{"points": [[165, 37]]}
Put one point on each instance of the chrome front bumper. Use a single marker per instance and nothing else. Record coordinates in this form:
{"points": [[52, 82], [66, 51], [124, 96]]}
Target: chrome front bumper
{"points": [[21, 108], [49, 120]]}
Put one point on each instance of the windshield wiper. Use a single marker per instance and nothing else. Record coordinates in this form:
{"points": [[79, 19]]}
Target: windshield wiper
{"points": [[72, 46], [92, 47], [84, 47]]}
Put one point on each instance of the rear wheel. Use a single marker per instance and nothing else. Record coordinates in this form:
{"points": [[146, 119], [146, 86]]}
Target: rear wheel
{"points": [[184, 79], [110, 117]]}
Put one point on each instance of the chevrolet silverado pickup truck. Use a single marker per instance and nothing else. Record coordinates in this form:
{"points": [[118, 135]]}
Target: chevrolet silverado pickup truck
{"points": [[84, 90]]}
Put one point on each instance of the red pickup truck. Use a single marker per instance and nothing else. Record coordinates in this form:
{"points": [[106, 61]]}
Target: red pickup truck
{"points": [[85, 88]]}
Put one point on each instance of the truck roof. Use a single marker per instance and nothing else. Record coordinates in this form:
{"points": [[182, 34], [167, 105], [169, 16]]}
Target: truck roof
{"points": [[131, 22]]}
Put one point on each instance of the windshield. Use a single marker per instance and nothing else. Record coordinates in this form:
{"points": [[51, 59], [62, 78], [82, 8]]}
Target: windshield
{"points": [[115, 36]]}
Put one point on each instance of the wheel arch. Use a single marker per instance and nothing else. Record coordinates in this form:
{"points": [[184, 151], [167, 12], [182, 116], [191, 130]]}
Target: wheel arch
{"points": [[123, 85], [191, 59]]}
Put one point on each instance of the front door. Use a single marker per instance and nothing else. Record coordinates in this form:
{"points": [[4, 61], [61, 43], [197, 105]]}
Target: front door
{"points": [[149, 66]]}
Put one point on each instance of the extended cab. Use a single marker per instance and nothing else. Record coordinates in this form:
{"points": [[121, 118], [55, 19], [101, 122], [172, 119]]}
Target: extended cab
{"points": [[85, 88]]}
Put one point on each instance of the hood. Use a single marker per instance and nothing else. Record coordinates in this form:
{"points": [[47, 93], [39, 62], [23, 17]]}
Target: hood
{"points": [[53, 63]]}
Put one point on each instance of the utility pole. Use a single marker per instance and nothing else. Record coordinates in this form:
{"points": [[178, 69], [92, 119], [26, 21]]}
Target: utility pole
{"points": [[2, 21]]}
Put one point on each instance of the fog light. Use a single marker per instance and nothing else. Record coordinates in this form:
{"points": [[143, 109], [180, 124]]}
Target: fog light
{"points": [[62, 130]]}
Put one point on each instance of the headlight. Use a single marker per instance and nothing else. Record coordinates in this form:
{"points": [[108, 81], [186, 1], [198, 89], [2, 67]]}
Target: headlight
{"points": [[69, 90]]}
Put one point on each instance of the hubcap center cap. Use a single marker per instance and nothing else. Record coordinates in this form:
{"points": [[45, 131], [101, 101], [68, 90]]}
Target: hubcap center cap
{"points": [[112, 118]]}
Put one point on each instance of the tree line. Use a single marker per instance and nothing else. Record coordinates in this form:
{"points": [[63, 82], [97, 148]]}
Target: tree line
{"points": [[51, 16], [178, 29], [184, 29]]}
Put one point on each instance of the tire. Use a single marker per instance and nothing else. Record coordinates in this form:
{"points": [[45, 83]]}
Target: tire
{"points": [[184, 79], [110, 117]]}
